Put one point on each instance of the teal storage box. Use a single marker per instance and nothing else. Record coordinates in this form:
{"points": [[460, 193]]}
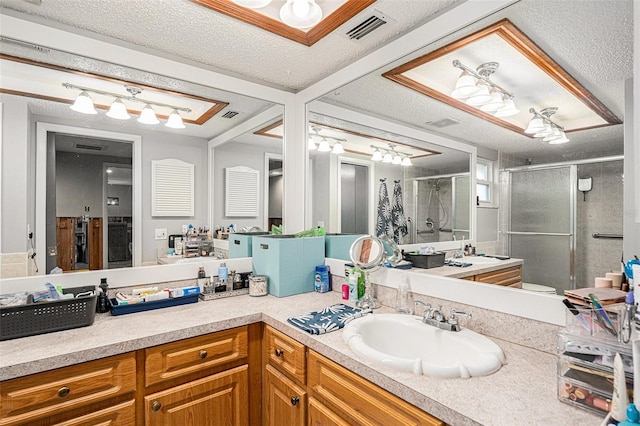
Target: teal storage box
{"points": [[240, 244], [289, 263], [337, 246]]}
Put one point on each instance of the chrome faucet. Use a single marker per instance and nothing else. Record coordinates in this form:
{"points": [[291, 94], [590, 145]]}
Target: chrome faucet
{"points": [[436, 318]]}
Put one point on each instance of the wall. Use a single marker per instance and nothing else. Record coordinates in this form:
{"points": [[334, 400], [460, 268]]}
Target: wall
{"points": [[125, 197], [79, 180], [238, 154], [17, 174], [275, 196], [600, 210]]}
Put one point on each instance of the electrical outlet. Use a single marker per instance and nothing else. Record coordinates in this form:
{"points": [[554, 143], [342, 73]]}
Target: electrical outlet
{"points": [[161, 233]]}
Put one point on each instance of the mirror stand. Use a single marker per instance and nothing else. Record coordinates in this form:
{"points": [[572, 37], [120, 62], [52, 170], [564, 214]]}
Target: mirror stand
{"points": [[368, 301]]}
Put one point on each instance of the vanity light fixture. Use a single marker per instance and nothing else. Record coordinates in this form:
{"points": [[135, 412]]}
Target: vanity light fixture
{"points": [[118, 109], [391, 155], [338, 147], [294, 13], [477, 89], [541, 126]]}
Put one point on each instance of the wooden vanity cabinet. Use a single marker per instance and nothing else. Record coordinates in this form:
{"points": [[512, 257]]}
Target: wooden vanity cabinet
{"points": [[284, 376], [339, 397], [508, 277], [88, 393]]}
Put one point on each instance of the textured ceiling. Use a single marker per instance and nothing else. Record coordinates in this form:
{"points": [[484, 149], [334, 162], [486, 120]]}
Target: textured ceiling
{"points": [[592, 40], [188, 30]]}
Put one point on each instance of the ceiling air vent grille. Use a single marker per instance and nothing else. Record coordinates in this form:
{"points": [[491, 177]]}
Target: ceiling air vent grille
{"points": [[230, 114], [367, 26], [445, 122], [89, 147]]}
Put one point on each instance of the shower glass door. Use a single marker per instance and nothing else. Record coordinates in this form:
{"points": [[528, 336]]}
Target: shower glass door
{"points": [[541, 228]]}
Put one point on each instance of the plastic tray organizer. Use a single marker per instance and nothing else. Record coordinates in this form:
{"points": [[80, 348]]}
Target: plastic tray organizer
{"points": [[46, 317], [149, 306]]}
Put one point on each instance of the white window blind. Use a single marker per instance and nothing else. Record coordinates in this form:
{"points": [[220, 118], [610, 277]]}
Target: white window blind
{"points": [[172, 188], [241, 192]]}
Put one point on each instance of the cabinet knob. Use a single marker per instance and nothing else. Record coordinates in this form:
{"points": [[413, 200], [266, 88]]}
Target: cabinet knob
{"points": [[203, 354], [279, 352], [63, 391], [294, 400], [156, 406]]}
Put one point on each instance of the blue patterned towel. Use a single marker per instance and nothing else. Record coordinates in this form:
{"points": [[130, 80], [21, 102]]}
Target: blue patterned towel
{"points": [[329, 319]]}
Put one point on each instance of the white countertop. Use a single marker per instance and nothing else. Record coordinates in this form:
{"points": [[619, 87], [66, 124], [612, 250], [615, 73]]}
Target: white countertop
{"points": [[522, 392], [467, 271]]}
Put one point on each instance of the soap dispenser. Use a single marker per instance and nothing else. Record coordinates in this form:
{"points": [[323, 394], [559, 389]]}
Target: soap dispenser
{"points": [[103, 305]]}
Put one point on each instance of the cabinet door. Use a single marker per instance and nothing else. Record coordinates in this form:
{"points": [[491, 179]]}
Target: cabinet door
{"points": [[321, 415], [66, 243], [53, 392], [218, 400], [119, 415], [358, 401], [510, 277], [284, 402], [286, 354], [174, 360]]}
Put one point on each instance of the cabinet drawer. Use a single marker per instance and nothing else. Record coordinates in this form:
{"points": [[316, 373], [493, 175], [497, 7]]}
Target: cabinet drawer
{"points": [[119, 415], [286, 354], [43, 394], [221, 399], [320, 415], [285, 403], [506, 277], [172, 360], [358, 401]]}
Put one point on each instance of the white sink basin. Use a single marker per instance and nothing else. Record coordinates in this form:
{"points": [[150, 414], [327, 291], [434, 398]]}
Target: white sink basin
{"points": [[403, 342], [479, 260]]}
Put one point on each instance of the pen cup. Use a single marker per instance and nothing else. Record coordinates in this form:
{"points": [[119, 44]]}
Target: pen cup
{"points": [[589, 322]]}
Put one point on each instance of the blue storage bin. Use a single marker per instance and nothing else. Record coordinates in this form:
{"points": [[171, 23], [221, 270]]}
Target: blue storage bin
{"points": [[240, 244], [288, 262], [337, 246]]}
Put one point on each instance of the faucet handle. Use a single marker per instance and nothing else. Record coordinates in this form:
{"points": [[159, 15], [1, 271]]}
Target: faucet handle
{"points": [[427, 307], [453, 318]]}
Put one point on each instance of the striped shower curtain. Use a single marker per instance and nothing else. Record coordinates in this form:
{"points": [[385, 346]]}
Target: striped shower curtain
{"points": [[400, 228], [384, 222]]}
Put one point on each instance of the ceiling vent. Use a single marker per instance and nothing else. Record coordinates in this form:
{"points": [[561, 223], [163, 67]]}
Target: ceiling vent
{"points": [[445, 122], [89, 147], [230, 114], [367, 26]]}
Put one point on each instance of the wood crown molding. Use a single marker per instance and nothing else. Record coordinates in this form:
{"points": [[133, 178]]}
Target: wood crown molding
{"points": [[328, 24], [203, 118], [516, 38]]}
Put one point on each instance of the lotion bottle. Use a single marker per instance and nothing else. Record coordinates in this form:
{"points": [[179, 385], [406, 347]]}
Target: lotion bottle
{"points": [[403, 304]]}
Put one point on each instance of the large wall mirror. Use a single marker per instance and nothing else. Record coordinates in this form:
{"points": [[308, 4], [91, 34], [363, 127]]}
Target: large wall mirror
{"points": [[515, 171], [89, 195], [379, 175]]}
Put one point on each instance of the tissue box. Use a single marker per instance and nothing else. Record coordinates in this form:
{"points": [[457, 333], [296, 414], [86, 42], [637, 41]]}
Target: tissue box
{"points": [[241, 244], [337, 246], [288, 262]]}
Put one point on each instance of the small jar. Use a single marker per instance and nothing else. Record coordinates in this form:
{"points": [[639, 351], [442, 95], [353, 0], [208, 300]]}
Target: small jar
{"points": [[258, 285]]}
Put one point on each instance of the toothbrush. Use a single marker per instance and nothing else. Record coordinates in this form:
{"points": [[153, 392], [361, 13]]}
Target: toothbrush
{"points": [[601, 312]]}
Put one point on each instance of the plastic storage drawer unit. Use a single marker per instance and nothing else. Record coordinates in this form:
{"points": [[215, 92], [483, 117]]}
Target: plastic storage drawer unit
{"points": [[337, 246], [241, 244], [288, 262]]}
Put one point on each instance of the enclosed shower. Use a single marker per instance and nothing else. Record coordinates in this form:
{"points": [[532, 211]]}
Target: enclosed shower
{"points": [[566, 236]]}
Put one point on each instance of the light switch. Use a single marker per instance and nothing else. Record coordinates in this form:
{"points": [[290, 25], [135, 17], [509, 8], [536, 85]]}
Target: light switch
{"points": [[161, 233]]}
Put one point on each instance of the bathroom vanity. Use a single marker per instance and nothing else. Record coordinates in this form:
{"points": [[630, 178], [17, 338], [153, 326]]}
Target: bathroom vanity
{"points": [[167, 354], [501, 272]]}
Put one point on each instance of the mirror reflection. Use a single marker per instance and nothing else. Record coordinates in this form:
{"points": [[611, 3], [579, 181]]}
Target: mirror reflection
{"points": [[85, 218], [369, 192]]}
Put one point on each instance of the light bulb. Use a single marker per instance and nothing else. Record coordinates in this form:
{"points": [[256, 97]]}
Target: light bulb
{"points": [[535, 125], [338, 148], [481, 97], [465, 86], [406, 161], [148, 115], [377, 155], [311, 145], [396, 159], [300, 8], [324, 146], [84, 104], [175, 121], [507, 110], [388, 158], [118, 110]]}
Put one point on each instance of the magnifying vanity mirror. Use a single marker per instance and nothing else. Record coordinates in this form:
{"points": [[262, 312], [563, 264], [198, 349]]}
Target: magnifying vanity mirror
{"points": [[367, 253]]}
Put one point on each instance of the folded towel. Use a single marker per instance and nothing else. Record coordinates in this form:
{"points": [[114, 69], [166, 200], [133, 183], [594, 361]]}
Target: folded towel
{"points": [[329, 319]]}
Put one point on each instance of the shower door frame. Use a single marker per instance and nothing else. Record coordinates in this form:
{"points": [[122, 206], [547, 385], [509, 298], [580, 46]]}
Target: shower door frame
{"points": [[505, 187]]}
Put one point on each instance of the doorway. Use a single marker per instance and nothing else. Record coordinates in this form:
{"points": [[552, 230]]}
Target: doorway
{"points": [[73, 199], [354, 198], [273, 190]]}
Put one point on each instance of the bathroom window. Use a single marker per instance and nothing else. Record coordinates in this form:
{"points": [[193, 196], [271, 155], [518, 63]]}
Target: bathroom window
{"points": [[484, 181]]}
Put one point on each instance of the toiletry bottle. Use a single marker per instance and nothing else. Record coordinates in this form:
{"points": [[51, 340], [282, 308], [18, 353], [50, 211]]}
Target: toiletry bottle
{"points": [[103, 304], [353, 287], [202, 278], [223, 272], [321, 282], [403, 304]]}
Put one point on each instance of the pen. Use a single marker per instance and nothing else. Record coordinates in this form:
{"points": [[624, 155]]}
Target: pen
{"points": [[602, 314], [572, 308]]}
